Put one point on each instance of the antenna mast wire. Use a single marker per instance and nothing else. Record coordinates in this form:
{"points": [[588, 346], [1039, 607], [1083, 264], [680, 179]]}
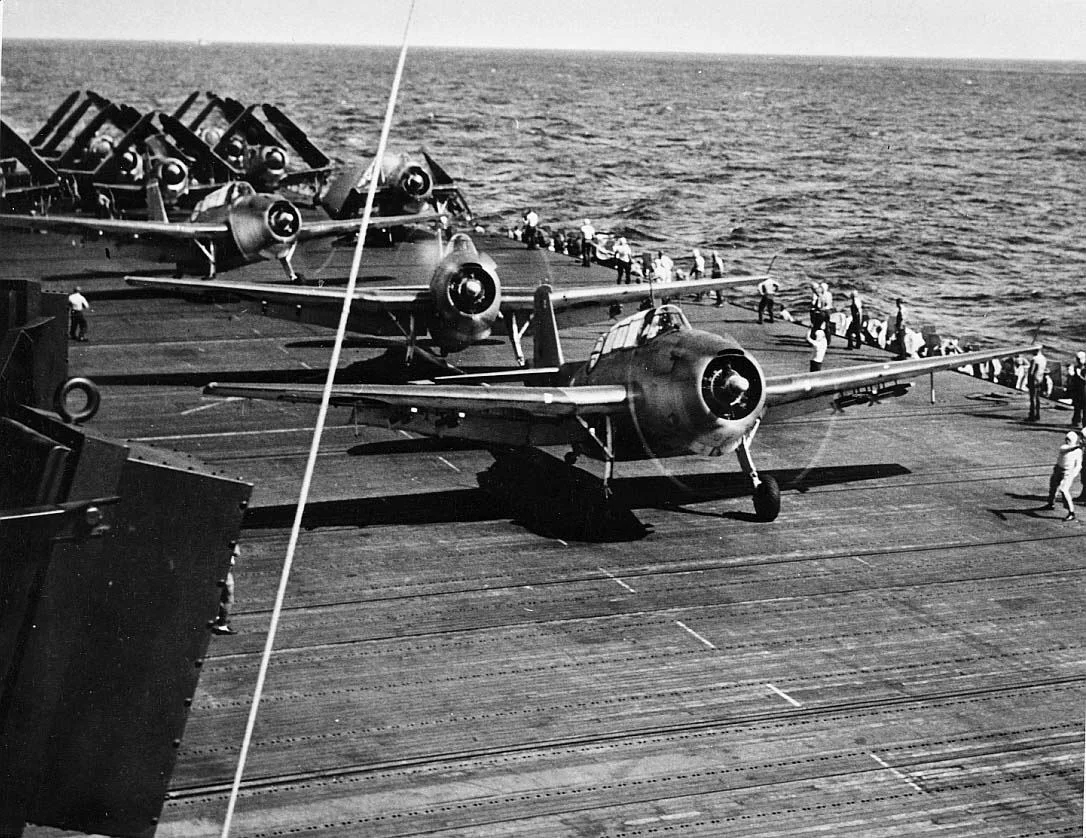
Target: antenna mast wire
{"points": [[318, 431]]}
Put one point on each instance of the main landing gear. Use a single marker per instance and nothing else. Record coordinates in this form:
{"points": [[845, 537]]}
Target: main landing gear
{"points": [[767, 494]]}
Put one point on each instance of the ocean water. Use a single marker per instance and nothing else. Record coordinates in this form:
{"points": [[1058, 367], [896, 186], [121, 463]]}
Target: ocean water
{"points": [[958, 186]]}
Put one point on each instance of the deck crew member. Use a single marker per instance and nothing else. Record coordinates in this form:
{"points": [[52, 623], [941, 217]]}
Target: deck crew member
{"points": [[1067, 468], [1076, 388], [588, 239], [816, 305], [663, 267], [698, 269], [816, 337], [768, 289], [717, 273], [623, 256], [825, 301], [1038, 367], [77, 322], [855, 331], [531, 228], [900, 322]]}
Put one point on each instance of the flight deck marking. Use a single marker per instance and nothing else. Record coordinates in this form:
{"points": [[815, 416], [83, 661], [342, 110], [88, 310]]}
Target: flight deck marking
{"points": [[895, 772], [623, 584], [662, 818], [685, 627], [208, 406], [450, 465], [784, 695]]}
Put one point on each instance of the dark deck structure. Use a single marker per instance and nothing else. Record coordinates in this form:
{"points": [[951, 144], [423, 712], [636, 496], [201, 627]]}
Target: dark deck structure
{"points": [[900, 653]]}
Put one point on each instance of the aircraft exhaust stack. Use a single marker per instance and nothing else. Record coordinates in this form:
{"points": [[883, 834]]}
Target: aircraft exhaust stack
{"points": [[111, 561]]}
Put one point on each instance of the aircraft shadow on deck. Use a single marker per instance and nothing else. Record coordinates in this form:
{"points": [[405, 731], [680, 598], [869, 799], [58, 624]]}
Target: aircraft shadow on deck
{"points": [[557, 502]]}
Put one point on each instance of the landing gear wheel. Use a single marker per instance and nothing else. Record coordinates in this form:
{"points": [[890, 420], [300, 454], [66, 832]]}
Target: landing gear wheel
{"points": [[767, 500]]}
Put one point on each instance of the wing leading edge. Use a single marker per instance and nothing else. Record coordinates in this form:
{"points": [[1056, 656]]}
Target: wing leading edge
{"points": [[536, 402], [800, 393]]}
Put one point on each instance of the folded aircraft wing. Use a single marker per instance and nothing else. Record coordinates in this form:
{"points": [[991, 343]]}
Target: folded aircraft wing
{"points": [[116, 226], [868, 383], [402, 298], [519, 300], [541, 402], [341, 227]]}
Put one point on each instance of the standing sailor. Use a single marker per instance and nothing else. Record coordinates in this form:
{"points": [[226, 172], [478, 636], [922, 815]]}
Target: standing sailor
{"points": [[588, 243], [1035, 380], [77, 306], [531, 228], [855, 325], [767, 288]]}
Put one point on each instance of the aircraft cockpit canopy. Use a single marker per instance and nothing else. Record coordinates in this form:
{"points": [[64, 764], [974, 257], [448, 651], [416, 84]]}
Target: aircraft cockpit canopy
{"points": [[638, 329], [224, 197]]}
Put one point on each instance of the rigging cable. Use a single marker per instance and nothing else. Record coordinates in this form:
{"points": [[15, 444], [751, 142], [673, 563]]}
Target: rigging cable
{"points": [[315, 445]]}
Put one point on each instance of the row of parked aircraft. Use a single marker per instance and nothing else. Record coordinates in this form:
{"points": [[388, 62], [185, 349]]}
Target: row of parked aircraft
{"points": [[210, 192], [653, 387]]}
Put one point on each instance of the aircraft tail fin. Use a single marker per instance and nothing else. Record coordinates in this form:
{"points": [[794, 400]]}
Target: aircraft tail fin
{"points": [[156, 206], [547, 351]]}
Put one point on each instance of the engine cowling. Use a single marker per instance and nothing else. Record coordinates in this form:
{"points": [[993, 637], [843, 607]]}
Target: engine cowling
{"points": [[409, 182], [130, 165], [467, 296], [233, 150], [173, 179], [414, 182], [267, 167], [264, 226], [693, 392]]}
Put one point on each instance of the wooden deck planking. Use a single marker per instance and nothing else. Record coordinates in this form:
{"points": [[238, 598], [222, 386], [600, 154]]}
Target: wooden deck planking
{"points": [[900, 653]]}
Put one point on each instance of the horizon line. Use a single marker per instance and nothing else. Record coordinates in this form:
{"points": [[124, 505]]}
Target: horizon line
{"points": [[200, 42]]}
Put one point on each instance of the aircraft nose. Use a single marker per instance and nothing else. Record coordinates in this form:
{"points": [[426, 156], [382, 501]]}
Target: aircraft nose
{"points": [[415, 182], [275, 160], [173, 174], [284, 220], [129, 161]]}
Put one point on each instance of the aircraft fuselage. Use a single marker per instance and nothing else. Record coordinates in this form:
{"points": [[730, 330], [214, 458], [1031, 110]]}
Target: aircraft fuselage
{"points": [[674, 408]]}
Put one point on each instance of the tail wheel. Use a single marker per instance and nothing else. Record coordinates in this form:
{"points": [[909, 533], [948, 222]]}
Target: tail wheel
{"points": [[767, 499]]}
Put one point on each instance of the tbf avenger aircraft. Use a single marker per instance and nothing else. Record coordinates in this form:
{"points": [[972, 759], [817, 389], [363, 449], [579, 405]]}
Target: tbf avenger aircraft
{"points": [[463, 304], [406, 183], [653, 387], [27, 181], [233, 226], [252, 149]]}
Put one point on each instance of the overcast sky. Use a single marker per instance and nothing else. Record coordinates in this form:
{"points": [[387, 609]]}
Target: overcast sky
{"points": [[1020, 29]]}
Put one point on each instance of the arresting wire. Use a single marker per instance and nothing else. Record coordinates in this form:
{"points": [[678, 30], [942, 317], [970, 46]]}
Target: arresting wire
{"points": [[307, 479]]}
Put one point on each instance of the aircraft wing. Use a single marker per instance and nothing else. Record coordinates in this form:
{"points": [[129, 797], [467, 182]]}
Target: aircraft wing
{"points": [[534, 402], [522, 299], [865, 384], [406, 298], [116, 226], [341, 227]]}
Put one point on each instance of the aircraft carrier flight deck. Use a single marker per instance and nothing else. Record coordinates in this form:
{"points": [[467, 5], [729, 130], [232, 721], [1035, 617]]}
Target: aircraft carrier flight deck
{"points": [[899, 653]]}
